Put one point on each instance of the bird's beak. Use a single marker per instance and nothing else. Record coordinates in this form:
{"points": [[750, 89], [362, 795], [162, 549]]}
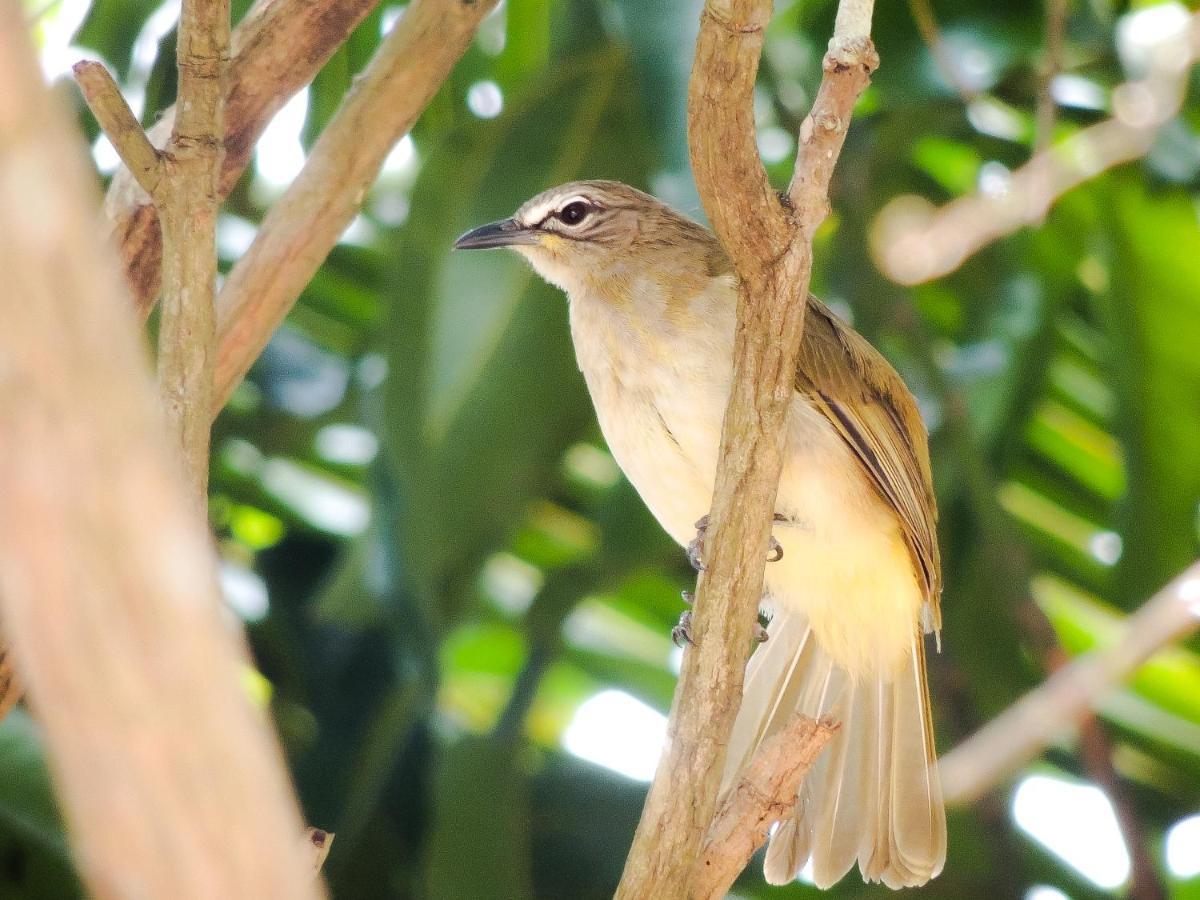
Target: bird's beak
{"points": [[504, 233]]}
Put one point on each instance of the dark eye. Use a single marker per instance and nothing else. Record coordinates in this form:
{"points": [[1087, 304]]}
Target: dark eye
{"points": [[573, 213]]}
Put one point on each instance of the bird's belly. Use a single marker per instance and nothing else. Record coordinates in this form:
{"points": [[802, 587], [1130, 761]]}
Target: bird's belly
{"points": [[845, 563], [670, 461]]}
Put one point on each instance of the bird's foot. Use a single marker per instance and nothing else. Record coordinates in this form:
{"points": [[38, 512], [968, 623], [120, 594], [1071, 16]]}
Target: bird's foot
{"points": [[682, 632], [760, 633], [695, 548], [775, 549]]}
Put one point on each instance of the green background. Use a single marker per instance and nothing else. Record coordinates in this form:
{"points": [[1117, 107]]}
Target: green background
{"points": [[423, 662]]}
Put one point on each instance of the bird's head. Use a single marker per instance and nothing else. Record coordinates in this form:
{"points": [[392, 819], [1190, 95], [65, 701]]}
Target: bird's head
{"points": [[584, 233]]}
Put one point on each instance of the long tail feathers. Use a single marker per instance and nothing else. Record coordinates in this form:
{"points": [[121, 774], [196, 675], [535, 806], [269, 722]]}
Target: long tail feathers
{"points": [[874, 794]]}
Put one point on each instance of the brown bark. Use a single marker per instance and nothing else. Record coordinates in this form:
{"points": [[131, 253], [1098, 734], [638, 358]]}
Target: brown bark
{"points": [[187, 208], [277, 48], [771, 249], [170, 780], [766, 794]]}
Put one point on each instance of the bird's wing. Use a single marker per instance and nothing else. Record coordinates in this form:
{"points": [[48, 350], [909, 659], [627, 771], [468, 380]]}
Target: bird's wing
{"points": [[847, 380]]}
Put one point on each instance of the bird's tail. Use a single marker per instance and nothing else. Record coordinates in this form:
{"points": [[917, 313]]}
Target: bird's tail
{"points": [[874, 794]]}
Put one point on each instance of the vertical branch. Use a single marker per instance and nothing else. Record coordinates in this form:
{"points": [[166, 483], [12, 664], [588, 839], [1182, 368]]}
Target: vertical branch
{"points": [[187, 330], [276, 49], [1056, 23], [770, 246], [170, 781]]}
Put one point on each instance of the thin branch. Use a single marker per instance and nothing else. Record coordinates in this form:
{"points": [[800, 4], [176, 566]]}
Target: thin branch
{"points": [[1047, 110], [188, 212], [771, 250], [119, 124], [766, 794], [1067, 696], [277, 48], [913, 241], [1096, 752], [317, 844], [931, 34], [10, 686], [306, 222], [170, 781]]}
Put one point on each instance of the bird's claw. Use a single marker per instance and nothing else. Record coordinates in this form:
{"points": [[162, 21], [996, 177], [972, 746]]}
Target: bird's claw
{"points": [[682, 633], [695, 547], [775, 551], [760, 633]]}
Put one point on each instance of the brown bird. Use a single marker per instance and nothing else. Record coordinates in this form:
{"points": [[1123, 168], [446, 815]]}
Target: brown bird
{"points": [[652, 301]]}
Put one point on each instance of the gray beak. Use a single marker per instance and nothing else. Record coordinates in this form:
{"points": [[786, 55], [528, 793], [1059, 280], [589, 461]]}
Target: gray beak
{"points": [[504, 233]]}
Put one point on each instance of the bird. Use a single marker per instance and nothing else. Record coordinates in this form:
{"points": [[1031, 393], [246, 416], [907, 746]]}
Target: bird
{"points": [[652, 309]]}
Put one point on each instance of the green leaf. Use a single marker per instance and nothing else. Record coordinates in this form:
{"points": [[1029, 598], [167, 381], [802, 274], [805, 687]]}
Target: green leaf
{"points": [[479, 838]]}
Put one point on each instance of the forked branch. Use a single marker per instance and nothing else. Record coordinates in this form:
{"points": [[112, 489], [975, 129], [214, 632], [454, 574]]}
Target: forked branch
{"points": [[770, 246], [766, 794]]}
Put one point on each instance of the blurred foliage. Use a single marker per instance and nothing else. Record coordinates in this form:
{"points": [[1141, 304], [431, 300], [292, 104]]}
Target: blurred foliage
{"points": [[453, 564]]}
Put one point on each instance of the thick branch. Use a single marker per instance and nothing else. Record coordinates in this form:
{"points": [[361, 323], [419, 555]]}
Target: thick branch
{"points": [[119, 124], [277, 49], [765, 795], [1067, 696], [188, 211], [306, 222], [914, 241], [169, 779], [772, 254]]}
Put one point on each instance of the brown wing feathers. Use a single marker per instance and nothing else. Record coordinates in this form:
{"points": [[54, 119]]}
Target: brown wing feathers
{"points": [[858, 391]]}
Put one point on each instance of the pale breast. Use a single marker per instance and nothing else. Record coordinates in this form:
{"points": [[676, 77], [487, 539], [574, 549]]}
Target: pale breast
{"points": [[659, 400]]}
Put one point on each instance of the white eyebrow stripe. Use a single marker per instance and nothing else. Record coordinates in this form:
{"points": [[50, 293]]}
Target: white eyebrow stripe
{"points": [[537, 214]]}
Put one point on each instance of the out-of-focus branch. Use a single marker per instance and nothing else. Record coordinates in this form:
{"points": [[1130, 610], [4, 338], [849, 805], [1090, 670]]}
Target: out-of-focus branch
{"points": [[169, 779], [10, 686], [187, 209], [913, 241], [931, 34], [306, 222], [277, 48], [1058, 704], [765, 795], [1096, 752], [770, 245], [1056, 24]]}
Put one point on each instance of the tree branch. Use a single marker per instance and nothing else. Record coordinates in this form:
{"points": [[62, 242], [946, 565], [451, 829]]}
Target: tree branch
{"points": [[188, 212], [277, 48], [771, 250], [306, 222], [119, 124], [317, 844], [10, 686], [169, 779], [914, 241], [1067, 696], [766, 794]]}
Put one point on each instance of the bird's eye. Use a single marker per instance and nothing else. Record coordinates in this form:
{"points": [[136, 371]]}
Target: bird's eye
{"points": [[573, 213]]}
